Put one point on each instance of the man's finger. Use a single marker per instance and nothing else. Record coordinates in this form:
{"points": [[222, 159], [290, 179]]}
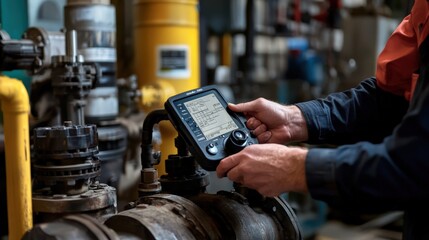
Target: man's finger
{"points": [[253, 123], [235, 175], [264, 137], [227, 164], [242, 107], [259, 129]]}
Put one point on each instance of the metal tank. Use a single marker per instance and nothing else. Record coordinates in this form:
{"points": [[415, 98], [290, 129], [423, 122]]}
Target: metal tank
{"points": [[166, 46], [95, 24]]}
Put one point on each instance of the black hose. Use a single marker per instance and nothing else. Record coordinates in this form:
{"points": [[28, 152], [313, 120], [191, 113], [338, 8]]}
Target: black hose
{"points": [[151, 119]]}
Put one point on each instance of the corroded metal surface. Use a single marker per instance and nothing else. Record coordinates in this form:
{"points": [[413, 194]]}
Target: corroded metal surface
{"points": [[237, 220], [72, 227], [165, 216], [204, 216], [207, 216], [97, 197]]}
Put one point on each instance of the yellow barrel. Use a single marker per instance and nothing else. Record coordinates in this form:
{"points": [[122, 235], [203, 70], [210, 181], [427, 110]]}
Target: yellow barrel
{"points": [[166, 45]]}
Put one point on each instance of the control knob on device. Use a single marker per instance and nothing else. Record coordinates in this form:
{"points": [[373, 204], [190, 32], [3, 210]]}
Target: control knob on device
{"points": [[236, 141]]}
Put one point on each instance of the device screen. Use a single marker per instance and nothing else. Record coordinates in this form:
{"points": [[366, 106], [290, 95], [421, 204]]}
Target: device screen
{"points": [[210, 116]]}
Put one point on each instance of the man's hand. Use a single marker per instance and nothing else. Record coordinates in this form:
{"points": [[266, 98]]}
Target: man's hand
{"points": [[272, 122], [270, 169]]}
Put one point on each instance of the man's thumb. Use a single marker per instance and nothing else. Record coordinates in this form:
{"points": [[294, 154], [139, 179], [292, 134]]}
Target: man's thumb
{"points": [[235, 107]]}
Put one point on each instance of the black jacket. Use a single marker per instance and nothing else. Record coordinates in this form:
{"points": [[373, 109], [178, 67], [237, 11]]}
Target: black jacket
{"points": [[383, 161]]}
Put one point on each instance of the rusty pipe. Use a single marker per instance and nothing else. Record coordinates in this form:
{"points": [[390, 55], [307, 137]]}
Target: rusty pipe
{"points": [[16, 106]]}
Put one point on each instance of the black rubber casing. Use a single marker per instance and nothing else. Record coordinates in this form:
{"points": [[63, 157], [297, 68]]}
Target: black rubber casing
{"points": [[208, 153]]}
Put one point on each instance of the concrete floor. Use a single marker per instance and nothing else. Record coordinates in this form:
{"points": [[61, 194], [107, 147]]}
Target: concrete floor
{"points": [[334, 230]]}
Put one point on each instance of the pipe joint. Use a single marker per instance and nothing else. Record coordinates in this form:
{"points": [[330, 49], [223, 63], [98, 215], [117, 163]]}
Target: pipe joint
{"points": [[13, 96], [155, 95]]}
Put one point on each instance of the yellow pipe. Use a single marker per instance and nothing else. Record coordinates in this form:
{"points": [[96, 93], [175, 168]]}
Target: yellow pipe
{"points": [[166, 46], [16, 106], [226, 50], [154, 96]]}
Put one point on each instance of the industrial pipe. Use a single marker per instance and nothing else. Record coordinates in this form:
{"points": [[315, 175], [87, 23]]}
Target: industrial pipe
{"points": [[16, 106]]}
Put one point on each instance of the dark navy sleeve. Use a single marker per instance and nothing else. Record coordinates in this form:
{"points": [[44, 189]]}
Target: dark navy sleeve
{"points": [[364, 113], [373, 177]]}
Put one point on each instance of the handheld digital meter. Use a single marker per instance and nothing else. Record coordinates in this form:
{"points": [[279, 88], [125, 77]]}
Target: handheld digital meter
{"points": [[210, 129]]}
